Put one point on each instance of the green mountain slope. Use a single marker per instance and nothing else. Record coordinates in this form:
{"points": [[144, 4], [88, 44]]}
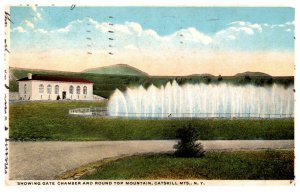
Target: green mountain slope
{"points": [[253, 74], [118, 69], [106, 84]]}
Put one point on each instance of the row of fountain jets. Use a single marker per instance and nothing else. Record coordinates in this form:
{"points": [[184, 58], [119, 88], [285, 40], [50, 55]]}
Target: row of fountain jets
{"points": [[202, 100]]}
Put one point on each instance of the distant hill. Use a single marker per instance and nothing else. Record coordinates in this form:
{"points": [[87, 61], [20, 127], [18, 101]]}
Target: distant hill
{"points": [[118, 69], [106, 84], [252, 74], [202, 75]]}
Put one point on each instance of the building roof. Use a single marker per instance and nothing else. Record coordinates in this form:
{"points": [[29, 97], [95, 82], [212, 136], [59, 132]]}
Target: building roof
{"points": [[55, 78]]}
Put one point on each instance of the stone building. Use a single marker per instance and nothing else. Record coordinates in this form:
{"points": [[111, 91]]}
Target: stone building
{"points": [[43, 87]]}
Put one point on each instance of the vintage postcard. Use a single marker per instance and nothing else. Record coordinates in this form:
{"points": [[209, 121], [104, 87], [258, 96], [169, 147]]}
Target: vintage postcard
{"points": [[149, 95]]}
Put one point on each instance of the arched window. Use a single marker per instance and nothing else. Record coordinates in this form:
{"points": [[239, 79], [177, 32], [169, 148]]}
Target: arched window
{"points": [[49, 89], [78, 89], [25, 88], [56, 89], [71, 90], [41, 88], [84, 90]]}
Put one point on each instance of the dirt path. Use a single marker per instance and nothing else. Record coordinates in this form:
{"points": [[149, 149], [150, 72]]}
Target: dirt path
{"points": [[45, 160]]}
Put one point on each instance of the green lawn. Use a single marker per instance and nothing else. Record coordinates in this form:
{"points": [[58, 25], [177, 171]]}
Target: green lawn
{"points": [[241, 165], [50, 121]]}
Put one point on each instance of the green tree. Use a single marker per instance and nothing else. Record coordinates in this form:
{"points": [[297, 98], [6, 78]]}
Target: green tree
{"points": [[220, 78], [187, 145], [247, 79]]}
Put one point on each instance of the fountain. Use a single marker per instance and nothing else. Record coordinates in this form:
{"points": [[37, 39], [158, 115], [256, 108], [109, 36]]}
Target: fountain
{"points": [[203, 101]]}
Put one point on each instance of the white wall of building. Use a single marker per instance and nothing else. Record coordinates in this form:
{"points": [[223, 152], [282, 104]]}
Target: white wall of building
{"points": [[33, 91], [25, 90]]}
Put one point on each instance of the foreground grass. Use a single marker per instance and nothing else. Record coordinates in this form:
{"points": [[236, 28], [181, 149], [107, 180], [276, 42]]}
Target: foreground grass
{"points": [[248, 165], [50, 121]]}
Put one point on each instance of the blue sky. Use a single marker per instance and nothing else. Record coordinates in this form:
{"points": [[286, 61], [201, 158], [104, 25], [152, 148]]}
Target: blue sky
{"points": [[164, 20], [167, 20], [148, 29]]}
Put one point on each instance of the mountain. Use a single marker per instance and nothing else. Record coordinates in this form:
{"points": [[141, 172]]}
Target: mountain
{"points": [[202, 75], [253, 74], [105, 85], [118, 69]]}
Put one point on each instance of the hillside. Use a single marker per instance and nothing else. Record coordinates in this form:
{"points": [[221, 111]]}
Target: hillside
{"points": [[202, 75], [118, 69], [105, 84], [253, 74]]}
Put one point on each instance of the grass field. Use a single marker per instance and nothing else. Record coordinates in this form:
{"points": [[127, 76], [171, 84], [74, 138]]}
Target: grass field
{"points": [[248, 165], [50, 121]]}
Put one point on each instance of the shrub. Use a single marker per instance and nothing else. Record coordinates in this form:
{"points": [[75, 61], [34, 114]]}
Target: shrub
{"points": [[247, 78], [220, 78], [207, 79], [187, 146]]}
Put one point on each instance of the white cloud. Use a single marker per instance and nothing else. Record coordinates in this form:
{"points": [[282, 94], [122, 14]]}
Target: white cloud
{"points": [[69, 27], [284, 25], [239, 28], [274, 26], [247, 30], [241, 23], [193, 34], [62, 30], [34, 8], [290, 23], [19, 29], [131, 35], [123, 29], [255, 26], [135, 30], [232, 33], [151, 33], [136, 27], [89, 20], [244, 25], [37, 14], [231, 37], [29, 24], [103, 27], [41, 31], [126, 28]]}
